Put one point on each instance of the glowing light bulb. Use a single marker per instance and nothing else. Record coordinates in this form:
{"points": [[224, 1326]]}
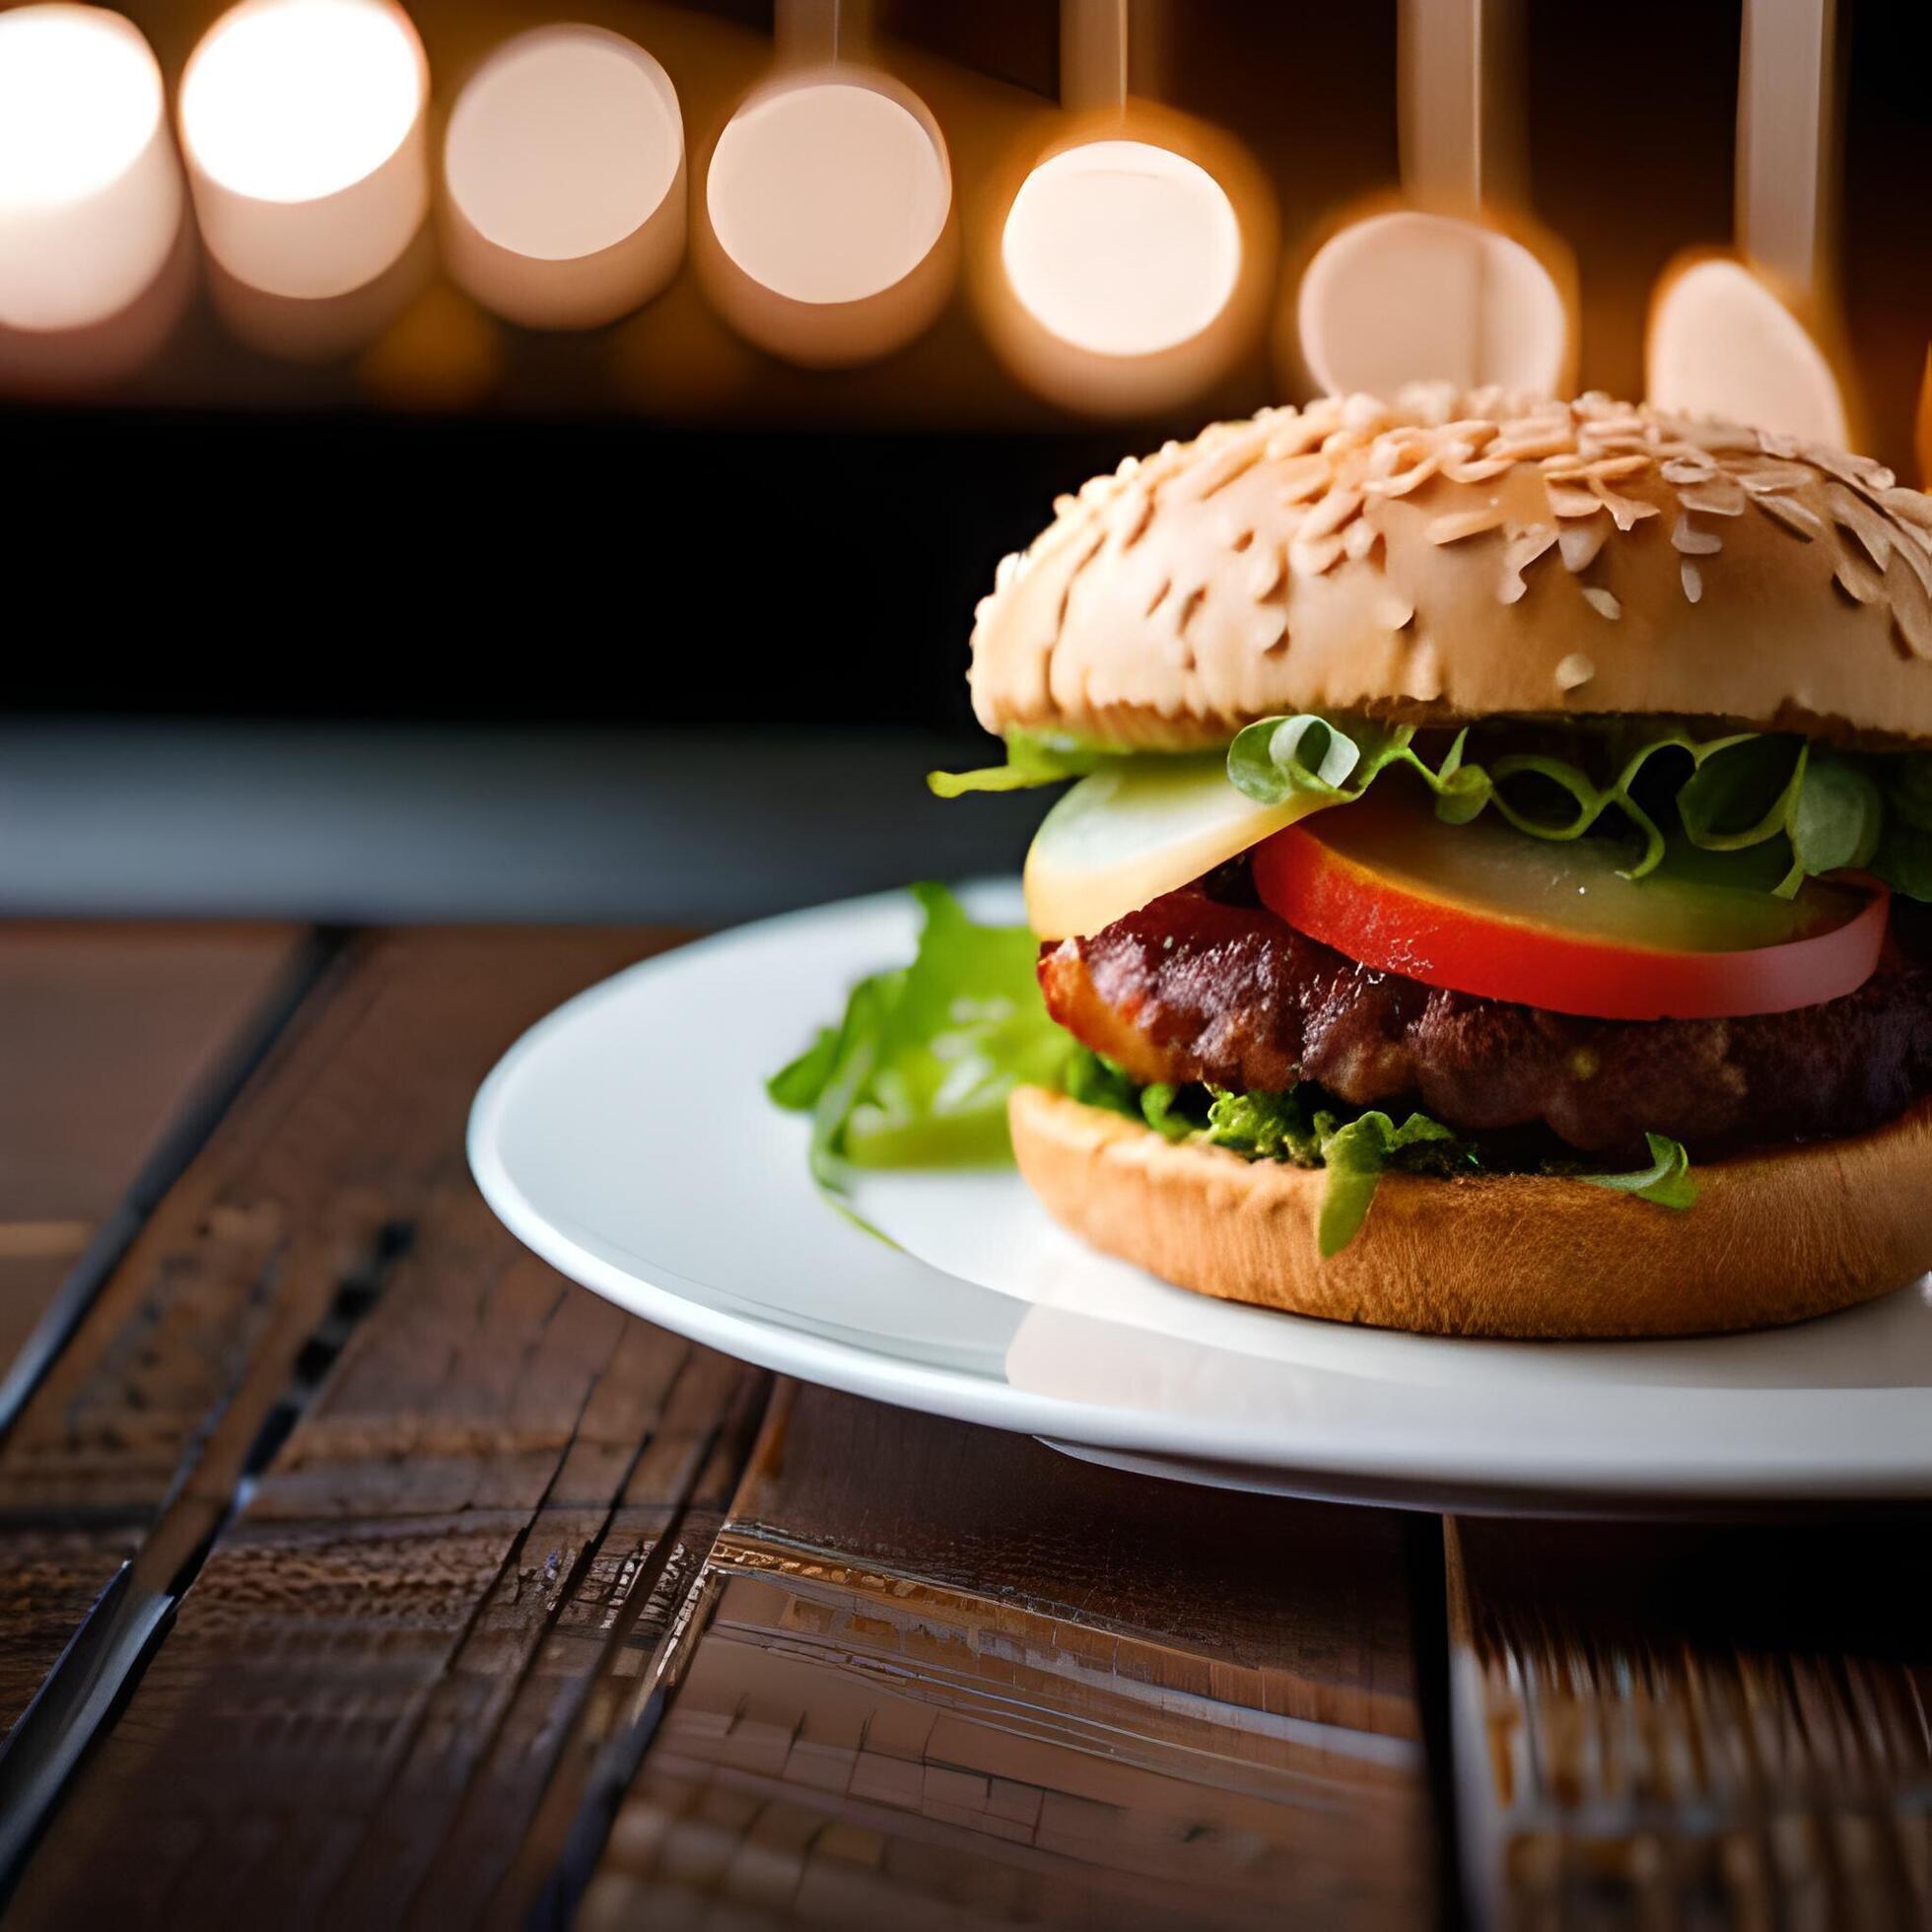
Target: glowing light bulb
{"points": [[564, 177], [302, 125], [1722, 344], [1406, 296], [90, 190], [827, 201], [1122, 248]]}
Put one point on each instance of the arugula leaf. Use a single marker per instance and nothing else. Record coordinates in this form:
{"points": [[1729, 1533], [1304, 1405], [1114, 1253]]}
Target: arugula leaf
{"points": [[917, 1072], [1158, 1109], [1903, 857], [1306, 1128], [1837, 816], [1903, 860], [1281, 758], [1355, 1157], [1355, 1151], [1264, 1126], [1096, 1081], [1666, 1181], [1742, 792], [852, 1062], [1033, 758], [1908, 788], [1814, 812], [797, 1084], [1811, 810]]}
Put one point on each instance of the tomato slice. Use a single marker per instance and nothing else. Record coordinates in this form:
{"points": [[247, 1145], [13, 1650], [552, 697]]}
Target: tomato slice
{"points": [[1482, 908]]}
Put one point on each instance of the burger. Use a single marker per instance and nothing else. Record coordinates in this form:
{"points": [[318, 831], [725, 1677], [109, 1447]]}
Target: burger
{"points": [[1494, 891]]}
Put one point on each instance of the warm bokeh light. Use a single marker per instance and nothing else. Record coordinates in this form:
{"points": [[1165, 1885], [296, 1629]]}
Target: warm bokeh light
{"points": [[89, 191], [1121, 247], [827, 201], [563, 174], [828, 190], [1721, 343], [1402, 297], [1922, 426], [1130, 260], [302, 123]]}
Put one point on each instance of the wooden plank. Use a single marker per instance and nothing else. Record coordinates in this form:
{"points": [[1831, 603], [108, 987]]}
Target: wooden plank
{"points": [[133, 1440], [947, 1677], [104, 1033], [28, 1283], [1679, 1724], [365, 1691]]}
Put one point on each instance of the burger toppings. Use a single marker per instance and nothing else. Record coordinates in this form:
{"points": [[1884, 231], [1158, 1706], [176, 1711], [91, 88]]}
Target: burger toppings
{"points": [[1525, 945], [918, 1071], [1300, 1126], [1480, 909], [1205, 989], [1137, 829], [1781, 809]]}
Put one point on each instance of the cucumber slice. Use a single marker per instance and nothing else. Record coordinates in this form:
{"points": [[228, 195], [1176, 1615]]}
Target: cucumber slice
{"points": [[1135, 830]]}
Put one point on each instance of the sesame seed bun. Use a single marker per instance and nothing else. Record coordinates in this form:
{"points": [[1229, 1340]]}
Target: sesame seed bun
{"points": [[1773, 1237], [1444, 556]]}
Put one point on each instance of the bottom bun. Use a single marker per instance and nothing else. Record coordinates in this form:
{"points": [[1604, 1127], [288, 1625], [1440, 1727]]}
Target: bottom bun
{"points": [[1774, 1237]]}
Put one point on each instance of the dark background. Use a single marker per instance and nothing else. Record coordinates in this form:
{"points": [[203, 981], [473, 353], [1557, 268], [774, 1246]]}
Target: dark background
{"points": [[655, 523]]}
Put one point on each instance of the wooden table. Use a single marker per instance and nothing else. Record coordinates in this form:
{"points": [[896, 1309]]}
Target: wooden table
{"points": [[358, 1569]]}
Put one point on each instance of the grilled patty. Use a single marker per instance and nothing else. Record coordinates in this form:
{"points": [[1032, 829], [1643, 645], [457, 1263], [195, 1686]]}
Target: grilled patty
{"points": [[1205, 984]]}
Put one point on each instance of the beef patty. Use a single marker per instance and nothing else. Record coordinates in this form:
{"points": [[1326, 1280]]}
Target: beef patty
{"points": [[1201, 986]]}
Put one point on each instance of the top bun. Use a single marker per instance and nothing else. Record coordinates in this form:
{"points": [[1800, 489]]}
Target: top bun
{"points": [[1449, 555]]}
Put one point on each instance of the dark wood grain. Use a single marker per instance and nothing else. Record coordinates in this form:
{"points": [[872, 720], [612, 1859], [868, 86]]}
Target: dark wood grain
{"points": [[948, 1677], [1672, 1724], [477, 1606], [356, 1709], [132, 1444], [104, 1032]]}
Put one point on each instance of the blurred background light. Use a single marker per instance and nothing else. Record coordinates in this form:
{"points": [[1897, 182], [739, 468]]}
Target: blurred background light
{"points": [[302, 125], [563, 174], [1744, 335], [1922, 426], [1450, 280], [90, 189], [828, 203], [1126, 266], [1129, 261], [1404, 295], [1121, 247], [828, 190], [1722, 344]]}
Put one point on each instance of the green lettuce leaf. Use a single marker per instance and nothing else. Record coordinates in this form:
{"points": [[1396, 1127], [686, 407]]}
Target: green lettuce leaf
{"points": [[1306, 1127], [1799, 811], [1281, 758], [1161, 1109], [1096, 1081], [1033, 758], [917, 1072], [1838, 817], [1908, 788], [1904, 859], [1355, 1157], [1666, 1181], [1814, 812], [1264, 1126]]}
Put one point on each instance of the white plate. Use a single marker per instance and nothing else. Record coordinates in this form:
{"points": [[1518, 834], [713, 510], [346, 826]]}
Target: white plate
{"points": [[628, 1139]]}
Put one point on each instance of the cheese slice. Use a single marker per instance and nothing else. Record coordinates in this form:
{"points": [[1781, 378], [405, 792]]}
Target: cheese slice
{"points": [[1135, 830]]}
